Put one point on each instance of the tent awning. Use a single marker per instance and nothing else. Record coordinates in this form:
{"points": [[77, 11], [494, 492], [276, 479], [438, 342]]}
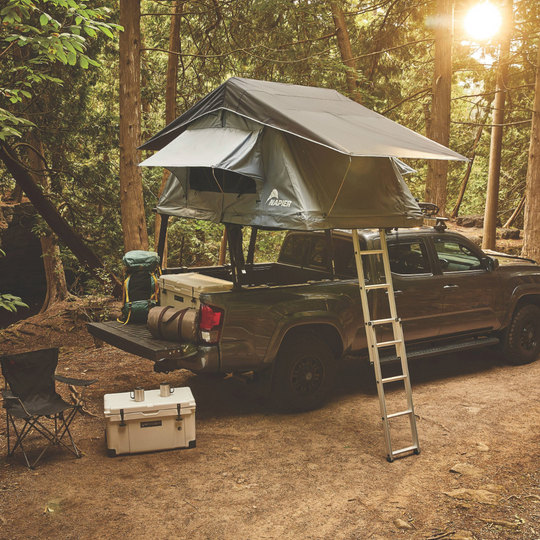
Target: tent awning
{"points": [[219, 148]]}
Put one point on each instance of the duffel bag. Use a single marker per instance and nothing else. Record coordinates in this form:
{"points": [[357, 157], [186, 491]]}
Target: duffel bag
{"points": [[169, 324]]}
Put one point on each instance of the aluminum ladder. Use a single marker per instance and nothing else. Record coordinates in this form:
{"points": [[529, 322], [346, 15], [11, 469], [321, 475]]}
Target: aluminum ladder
{"points": [[398, 342]]}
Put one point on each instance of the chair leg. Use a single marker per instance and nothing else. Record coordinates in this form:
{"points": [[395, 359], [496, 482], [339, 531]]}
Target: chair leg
{"points": [[25, 430], [64, 428], [8, 438]]}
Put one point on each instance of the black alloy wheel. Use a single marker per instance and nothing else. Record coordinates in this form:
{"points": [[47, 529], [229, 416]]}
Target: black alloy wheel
{"points": [[523, 340], [304, 373]]}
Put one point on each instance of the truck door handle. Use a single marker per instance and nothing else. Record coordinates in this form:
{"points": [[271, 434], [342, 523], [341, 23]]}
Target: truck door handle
{"points": [[451, 287], [396, 293]]}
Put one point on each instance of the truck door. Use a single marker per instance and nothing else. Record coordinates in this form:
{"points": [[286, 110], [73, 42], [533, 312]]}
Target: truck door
{"points": [[470, 291], [417, 289]]}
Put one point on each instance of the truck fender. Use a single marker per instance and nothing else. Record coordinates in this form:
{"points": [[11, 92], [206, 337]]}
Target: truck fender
{"points": [[293, 320], [519, 293]]}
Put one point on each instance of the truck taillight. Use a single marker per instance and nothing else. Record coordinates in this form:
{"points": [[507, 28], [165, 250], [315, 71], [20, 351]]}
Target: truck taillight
{"points": [[210, 321]]}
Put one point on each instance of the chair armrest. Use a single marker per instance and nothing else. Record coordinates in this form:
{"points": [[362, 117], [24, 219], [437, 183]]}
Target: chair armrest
{"points": [[74, 382], [7, 395]]}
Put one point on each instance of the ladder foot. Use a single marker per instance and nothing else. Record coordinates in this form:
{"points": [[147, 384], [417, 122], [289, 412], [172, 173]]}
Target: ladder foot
{"points": [[416, 452], [390, 459]]}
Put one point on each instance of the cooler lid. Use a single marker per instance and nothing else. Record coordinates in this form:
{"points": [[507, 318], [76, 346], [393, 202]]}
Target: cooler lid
{"points": [[152, 402], [194, 282]]}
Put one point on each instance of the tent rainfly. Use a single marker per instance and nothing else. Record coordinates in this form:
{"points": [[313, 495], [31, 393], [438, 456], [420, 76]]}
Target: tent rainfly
{"points": [[282, 156]]}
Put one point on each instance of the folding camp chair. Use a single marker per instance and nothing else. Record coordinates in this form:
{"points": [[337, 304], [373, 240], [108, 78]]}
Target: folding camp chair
{"points": [[30, 396]]}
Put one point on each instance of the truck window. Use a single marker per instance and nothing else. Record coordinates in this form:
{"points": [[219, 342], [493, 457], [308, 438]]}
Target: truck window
{"points": [[319, 255], [409, 257], [456, 257], [294, 248]]}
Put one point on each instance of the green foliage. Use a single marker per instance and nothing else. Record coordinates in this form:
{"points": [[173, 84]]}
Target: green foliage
{"points": [[33, 36], [9, 301]]}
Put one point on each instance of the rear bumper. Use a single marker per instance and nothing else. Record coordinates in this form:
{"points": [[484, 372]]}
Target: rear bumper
{"points": [[201, 359]]}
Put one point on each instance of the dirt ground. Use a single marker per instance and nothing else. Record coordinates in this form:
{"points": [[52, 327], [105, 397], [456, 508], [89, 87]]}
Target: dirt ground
{"points": [[257, 474]]}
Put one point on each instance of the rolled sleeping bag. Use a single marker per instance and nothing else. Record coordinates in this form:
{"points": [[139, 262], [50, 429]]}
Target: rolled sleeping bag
{"points": [[170, 324]]}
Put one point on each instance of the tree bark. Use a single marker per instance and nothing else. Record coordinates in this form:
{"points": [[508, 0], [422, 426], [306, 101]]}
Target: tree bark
{"points": [[345, 50], [439, 127], [53, 218], [492, 194], [170, 98], [131, 192], [54, 268], [531, 228], [455, 211]]}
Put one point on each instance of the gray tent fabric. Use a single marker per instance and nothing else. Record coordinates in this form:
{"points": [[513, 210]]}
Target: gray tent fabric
{"points": [[230, 168]]}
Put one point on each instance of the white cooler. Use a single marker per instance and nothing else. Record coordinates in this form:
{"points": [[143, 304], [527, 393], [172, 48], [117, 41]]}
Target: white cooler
{"points": [[183, 290], [157, 423]]}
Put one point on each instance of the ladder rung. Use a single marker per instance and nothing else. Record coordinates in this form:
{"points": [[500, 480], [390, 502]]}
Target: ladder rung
{"points": [[401, 413], [393, 379], [372, 252], [383, 321], [377, 286], [408, 449], [387, 343]]}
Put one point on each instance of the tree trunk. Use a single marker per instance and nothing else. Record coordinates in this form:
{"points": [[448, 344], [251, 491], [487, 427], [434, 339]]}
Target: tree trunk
{"points": [[492, 195], [131, 192], [516, 213], [54, 269], [223, 248], [455, 211], [170, 97], [345, 50], [531, 232], [439, 128], [53, 218]]}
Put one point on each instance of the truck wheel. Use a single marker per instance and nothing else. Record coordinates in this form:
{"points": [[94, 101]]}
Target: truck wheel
{"points": [[304, 373], [523, 341]]}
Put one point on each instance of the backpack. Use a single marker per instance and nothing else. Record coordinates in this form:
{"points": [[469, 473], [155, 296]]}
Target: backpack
{"points": [[141, 290]]}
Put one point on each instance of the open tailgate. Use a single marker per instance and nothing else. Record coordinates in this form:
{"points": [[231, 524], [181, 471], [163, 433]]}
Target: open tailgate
{"points": [[136, 339]]}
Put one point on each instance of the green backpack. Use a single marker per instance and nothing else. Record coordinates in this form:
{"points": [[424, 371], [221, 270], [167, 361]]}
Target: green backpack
{"points": [[141, 289]]}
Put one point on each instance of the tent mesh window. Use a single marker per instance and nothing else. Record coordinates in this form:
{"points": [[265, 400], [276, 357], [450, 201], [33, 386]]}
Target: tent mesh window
{"points": [[220, 180]]}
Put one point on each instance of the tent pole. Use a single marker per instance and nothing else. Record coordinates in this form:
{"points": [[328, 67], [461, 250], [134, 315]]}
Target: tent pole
{"points": [[331, 263], [162, 237], [252, 242]]}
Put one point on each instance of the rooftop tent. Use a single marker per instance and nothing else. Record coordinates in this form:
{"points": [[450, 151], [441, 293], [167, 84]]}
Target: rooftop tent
{"points": [[291, 157]]}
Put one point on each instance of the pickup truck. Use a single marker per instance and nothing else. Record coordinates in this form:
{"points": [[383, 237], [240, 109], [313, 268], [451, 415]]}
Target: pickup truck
{"points": [[290, 322]]}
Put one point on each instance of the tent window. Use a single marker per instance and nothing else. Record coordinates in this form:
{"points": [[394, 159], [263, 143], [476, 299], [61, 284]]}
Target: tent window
{"points": [[202, 179]]}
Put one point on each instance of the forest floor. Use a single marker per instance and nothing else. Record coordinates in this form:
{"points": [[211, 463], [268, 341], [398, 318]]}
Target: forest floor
{"points": [[258, 474]]}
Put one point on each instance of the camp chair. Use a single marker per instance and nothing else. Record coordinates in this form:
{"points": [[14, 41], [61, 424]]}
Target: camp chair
{"points": [[30, 396]]}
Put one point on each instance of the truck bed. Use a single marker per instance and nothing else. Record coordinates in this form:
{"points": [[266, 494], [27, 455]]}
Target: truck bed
{"points": [[136, 339]]}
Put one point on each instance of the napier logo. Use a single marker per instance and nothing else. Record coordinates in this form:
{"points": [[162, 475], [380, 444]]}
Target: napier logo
{"points": [[274, 200]]}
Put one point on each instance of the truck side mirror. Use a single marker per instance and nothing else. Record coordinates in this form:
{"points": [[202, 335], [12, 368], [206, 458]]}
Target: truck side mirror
{"points": [[490, 263]]}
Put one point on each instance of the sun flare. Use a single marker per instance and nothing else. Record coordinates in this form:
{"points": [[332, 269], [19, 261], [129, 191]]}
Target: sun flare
{"points": [[483, 21]]}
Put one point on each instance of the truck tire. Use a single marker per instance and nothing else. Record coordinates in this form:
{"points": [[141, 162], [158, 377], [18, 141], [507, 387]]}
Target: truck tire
{"points": [[523, 341], [304, 373]]}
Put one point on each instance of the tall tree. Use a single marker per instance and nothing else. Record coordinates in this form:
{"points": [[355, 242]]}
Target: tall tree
{"points": [[531, 233], [492, 198], [439, 126], [54, 269], [345, 50], [131, 191]]}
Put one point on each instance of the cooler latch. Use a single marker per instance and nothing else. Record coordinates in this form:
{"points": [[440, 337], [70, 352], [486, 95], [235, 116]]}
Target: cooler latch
{"points": [[122, 423]]}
